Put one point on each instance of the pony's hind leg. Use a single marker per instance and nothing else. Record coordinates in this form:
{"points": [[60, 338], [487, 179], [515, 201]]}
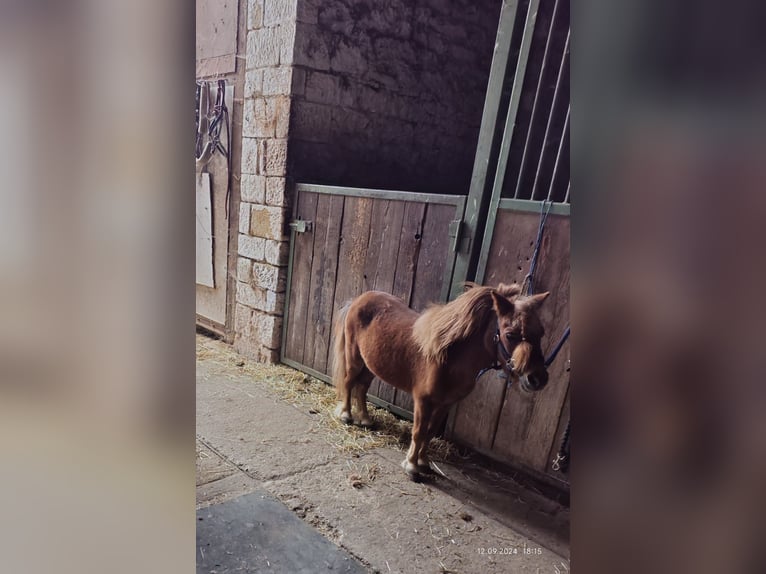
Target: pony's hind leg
{"points": [[361, 386]]}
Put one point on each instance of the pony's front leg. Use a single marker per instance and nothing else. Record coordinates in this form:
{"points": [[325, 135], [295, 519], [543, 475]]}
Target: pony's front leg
{"points": [[422, 419], [437, 416]]}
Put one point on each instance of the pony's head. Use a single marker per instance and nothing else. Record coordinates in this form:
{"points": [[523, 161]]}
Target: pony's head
{"points": [[519, 334]]}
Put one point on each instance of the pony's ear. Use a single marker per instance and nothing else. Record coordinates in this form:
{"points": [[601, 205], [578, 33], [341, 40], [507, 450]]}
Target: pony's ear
{"points": [[501, 305], [535, 301], [509, 290]]}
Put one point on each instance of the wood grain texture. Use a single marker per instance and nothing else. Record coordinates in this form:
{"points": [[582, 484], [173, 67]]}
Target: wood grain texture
{"points": [[324, 262], [303, 252], [380, 268], [528, 421]]}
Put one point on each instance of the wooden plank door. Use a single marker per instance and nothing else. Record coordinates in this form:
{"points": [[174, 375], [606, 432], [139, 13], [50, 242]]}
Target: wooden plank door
{"points": [[361, 240], [510, 424]]}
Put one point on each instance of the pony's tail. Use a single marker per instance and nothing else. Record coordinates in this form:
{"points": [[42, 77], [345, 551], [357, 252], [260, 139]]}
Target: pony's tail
{"points": [[339, 349]]}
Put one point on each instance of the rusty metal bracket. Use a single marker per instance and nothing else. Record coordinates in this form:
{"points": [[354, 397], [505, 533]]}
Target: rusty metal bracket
{"points": [[301, 225]]}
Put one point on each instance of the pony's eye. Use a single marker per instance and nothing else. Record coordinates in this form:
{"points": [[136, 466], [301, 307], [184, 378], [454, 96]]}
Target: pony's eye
{"points": [[512, 337]]}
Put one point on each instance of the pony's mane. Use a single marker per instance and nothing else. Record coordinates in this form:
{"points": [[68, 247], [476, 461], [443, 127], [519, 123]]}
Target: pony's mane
{"points": [[443, 325]]}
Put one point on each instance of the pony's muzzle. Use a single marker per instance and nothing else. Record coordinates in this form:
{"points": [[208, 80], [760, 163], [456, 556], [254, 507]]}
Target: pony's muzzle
{"points": [[534, 381]]}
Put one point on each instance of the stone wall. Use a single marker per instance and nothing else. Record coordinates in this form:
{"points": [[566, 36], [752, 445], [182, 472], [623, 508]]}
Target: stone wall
{"points": [[368, 93], [389, 93], [262, 242]]}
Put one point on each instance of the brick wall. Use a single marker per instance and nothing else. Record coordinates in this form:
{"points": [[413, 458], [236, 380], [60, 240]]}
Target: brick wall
{"points": [[262, 242], [389, 93]]}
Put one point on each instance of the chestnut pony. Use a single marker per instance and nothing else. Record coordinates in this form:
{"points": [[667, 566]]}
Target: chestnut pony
{"points": [[436, 356]]}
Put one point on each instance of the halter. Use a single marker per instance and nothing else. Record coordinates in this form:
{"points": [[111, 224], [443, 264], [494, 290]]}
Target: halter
{"points": [[507, 364]]}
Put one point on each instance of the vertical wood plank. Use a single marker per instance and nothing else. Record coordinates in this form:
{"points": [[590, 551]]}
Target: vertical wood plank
{"points": [[528, 421], [321, 269], [380, 268], [303, 250], [355, 234], [327, 273], [409, 250], [434, 250]]}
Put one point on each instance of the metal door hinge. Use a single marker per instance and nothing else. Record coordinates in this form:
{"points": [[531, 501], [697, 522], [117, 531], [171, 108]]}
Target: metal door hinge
{"points": [[455, 234], [301, 225]]}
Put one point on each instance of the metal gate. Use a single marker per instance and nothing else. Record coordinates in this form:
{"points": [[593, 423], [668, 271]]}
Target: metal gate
{"points": [[345, 241]]}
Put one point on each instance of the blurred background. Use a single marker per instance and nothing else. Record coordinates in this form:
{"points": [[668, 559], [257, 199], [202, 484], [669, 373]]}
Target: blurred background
{"points": [[96, 286], [97, 296], [668, 157]]}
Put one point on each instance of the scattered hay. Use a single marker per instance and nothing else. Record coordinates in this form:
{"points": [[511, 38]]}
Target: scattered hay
{"points": [[318, 399]]}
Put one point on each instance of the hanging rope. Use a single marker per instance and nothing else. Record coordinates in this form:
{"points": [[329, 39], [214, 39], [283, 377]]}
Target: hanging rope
{"points": [[527, 286]]}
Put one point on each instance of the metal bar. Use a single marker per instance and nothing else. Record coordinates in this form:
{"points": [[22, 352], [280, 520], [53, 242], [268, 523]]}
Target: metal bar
{"points": [[476, 204], [328, 380], [543, 69], [558, 154], [398, 411], [308, 370], [566, 197], [449, 270], [533, 206], [381, 194], [290, 259], [510, 123], [550, 117]]}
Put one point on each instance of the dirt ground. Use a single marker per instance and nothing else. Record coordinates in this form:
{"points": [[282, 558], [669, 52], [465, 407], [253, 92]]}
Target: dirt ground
{"points": [[267, 427]]}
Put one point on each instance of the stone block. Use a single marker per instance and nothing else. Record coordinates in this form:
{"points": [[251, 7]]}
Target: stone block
{"points": [[277, 252], [266, 276], [244, 270], [298, 82], [312, 122], [267, 117], [250, 297], [308, 11], [253, 83], [274, 157], [255, 14], [275, 191], [311, 48], [251, 247], [242, 317], [279, 11], [267, 222], [277, 81], [252, 188], [322, 88], [274, 302], [262, 48], [268, 329], [349, 58], [250, 155], [244, 217], [248, 346], [286, 39]]}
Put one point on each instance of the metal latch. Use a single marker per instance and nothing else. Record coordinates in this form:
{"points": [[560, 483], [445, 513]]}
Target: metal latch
{"points": [[455, 233], [301, 225]]}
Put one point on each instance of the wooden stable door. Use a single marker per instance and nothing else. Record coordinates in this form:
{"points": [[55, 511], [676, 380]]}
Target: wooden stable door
{"points": [[346, 241]]}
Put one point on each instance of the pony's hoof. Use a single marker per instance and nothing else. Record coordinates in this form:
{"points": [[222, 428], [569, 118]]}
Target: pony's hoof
{"points": [[411, 469], [346, 418], [366, 423]]}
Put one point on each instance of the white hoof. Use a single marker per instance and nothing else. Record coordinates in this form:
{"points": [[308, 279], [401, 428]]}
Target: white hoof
{"points": [[344, 416], [410, 468], [365, 422]]}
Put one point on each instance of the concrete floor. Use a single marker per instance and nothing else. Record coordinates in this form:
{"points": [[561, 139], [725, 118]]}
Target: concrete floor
{"points": [[249, 441]]}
